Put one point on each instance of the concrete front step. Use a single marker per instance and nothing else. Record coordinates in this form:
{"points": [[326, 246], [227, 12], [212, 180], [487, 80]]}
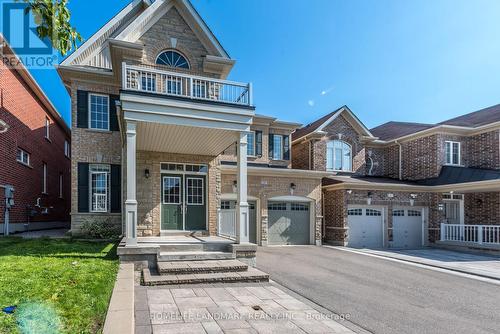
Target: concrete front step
{"points": [[199, 267], [194, 256], [250, 275], [194, 247]]}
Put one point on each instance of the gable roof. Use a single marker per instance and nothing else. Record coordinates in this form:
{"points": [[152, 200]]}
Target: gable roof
{"points": [[130, 23], [34, 87], [392, 130], [318, 125], [476, 118]]}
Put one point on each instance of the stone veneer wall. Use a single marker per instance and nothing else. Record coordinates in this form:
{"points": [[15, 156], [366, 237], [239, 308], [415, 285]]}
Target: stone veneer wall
{"points": [[265, 187], [149, 189], [91, 146]]}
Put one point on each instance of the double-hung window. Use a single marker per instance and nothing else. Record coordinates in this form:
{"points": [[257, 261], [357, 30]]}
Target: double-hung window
{"points": [[338, 156], [99, 111], [99, 187], [452, 149], [251, 144], [23, 157]]}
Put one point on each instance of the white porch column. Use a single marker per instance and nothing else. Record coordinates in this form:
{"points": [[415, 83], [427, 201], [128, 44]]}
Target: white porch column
{"points": [[242, 235], [131, 202]]}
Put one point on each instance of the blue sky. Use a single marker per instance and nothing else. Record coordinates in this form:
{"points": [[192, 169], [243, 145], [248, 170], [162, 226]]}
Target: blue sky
{"points": [[421, 61]]}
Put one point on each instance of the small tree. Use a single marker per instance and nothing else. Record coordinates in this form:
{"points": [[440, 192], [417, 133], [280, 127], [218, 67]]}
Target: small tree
{"points": [[52, 20]]}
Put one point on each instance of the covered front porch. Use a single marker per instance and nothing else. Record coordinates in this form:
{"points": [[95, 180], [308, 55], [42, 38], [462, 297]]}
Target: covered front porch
{"points": [[171, 141]]}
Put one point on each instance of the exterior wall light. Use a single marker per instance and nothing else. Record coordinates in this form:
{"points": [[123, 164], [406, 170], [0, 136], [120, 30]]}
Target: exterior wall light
{"points": [[390, 195], [349, 191], [292, 187], [440, 207], [369, 198], [146, 173], [235, 186], [412, 199]]}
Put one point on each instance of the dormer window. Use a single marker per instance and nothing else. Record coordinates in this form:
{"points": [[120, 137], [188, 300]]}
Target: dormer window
{"points": [[173, 59], [338, 156]]}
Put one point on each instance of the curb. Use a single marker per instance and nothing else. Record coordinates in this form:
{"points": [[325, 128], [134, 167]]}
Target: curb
{"points": [[120, 317]]}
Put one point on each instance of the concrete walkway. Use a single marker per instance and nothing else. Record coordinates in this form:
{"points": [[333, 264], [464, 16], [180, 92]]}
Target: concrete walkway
{"points": [[227, 309], [474, 264]]}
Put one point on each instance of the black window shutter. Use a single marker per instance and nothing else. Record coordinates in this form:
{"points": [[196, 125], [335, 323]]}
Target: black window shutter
{"points": [[83, 187], [82, 109], [258, 143], [116, 182], [113, 118], [271, 146], [286, 147]]}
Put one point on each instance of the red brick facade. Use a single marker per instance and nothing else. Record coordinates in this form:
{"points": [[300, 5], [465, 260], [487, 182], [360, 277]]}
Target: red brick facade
{"points": [[25, 113]]}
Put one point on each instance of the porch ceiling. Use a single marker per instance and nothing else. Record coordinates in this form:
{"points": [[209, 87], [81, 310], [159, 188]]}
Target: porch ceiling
{"points": [[183, 139]]}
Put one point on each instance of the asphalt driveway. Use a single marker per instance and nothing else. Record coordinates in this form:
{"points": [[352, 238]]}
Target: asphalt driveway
{"points": [[384, 296]]}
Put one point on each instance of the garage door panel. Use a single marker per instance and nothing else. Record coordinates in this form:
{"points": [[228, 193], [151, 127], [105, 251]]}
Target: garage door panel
{"points": [[288, 224], [365, 227], [406, 227]]}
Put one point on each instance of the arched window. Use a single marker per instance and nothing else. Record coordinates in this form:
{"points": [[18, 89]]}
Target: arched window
{"points": [[172, 59], [338, 155]]}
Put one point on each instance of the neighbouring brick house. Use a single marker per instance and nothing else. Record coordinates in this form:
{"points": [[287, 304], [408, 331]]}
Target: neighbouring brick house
{"points": [[395, 185], [163, 144], [34, 150]]}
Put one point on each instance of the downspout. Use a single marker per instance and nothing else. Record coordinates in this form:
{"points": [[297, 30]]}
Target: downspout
{"points": [[310, 155], [400, 160]]}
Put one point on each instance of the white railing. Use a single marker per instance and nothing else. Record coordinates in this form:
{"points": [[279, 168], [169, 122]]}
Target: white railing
{"points": [[479, 234], [100, 202], [227, 223], [151, 80]]}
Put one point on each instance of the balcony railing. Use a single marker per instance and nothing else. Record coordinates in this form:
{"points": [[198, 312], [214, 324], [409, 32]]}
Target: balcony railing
{"points": [[144, 79], [227, 223], [478, 234]]}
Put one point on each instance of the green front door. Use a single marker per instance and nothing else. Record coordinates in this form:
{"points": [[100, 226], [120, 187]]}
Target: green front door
{"points": [[196, 210], [183, 202], [172, 201]]}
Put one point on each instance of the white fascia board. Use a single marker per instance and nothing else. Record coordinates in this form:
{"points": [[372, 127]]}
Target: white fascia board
{"points": [[149, 101], [101, 32], [145, 20], [201, 23], [276, 172], [184, 121]]}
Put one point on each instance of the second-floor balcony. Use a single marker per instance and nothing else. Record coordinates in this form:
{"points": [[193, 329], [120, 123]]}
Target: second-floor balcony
{"points": [[152, 80]]}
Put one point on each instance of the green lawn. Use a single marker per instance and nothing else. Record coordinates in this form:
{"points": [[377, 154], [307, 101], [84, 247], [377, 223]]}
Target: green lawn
{"points": [[59, 286]]}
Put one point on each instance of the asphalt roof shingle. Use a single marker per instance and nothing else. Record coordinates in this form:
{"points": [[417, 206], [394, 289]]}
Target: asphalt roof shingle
{"points": [[476, 118], [392, 130]]}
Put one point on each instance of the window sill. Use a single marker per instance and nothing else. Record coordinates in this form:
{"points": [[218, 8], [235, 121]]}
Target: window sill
{"points": [[25, 165], [339, 171], [98, 130], [454, 165], [98, 213]]}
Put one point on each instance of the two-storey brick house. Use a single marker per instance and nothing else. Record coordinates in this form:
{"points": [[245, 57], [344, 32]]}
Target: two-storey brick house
{"points": [[403, 185], [163, 144], [34, 151]]}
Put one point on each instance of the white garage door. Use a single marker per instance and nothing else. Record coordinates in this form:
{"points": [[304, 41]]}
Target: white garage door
{"points": [[365, 227], [406, 227], [288, 223]]}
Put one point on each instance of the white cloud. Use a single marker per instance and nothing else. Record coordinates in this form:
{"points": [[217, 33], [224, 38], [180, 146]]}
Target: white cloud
{"points": [[310, 103]]}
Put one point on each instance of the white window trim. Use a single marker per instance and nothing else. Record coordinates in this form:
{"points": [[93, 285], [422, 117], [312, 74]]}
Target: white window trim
{"points": [[281, 147], [21, 161], [451, 152], [47, 128], [45, 172], [61, 179], [107, 174], [89, 105], [254, 145], [333, 156], [202, 188]]}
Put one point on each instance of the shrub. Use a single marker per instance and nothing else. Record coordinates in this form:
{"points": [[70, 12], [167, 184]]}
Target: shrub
{"points": [[102, 229]]}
